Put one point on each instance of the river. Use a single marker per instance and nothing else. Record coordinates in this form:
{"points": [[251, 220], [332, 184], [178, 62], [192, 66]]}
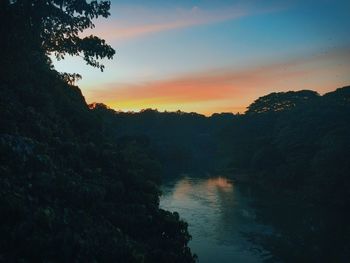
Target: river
{"points": [[219, 215]]}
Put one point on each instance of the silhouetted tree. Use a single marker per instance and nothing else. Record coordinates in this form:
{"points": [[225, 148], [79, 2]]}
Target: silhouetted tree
{"points": [[69, 191], [53, 26], [280, 101]]}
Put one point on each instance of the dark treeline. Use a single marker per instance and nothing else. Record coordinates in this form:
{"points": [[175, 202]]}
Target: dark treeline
{"points": [[182, 142], [296, 146], [294, 140]]}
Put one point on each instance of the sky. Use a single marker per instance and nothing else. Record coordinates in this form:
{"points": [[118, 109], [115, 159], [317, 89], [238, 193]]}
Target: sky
{"points": [[215, 55]]}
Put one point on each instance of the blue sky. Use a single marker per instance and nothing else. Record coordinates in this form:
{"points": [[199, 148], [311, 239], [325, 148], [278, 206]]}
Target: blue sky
{"points": [[170, 53]]}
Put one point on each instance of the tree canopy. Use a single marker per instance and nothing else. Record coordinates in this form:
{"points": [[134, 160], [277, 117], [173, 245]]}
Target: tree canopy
{"points": [[54, 27], [280, 101]]}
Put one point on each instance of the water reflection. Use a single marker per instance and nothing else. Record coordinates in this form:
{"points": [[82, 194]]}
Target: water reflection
{"points": [[217, 214]]}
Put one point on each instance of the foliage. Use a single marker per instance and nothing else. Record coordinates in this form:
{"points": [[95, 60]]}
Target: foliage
{"points": [[183, 142], [53, 26], [69, 191], [281, 101], [298, 154]]}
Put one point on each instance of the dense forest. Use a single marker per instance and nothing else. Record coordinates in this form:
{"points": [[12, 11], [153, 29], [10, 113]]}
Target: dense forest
{"points": [[68, 191], [296, 145], [182, 142]]}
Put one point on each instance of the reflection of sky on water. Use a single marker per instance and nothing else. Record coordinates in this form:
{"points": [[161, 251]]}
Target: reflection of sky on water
{"points": [[217, 214]]}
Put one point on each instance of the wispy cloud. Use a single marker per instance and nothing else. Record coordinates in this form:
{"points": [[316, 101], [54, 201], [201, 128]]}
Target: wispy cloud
{"points": [[227, 89], [138, 22]]}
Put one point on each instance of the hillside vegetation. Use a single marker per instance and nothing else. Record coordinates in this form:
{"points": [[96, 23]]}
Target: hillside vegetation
{"points": [[68, 191]]}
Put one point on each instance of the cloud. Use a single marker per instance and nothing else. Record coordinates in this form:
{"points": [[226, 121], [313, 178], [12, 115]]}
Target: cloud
{"points": [[138, 22], [229, 89]]}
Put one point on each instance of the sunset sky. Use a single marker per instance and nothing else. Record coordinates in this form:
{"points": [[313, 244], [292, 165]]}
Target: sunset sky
{"points": [[215, 55]]}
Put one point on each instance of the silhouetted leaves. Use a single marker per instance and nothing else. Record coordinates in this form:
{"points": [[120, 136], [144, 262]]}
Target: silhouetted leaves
{"points": [[44, 27]]}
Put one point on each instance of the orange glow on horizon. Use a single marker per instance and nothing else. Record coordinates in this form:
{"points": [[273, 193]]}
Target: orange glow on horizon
{"points": [[227, 90]]}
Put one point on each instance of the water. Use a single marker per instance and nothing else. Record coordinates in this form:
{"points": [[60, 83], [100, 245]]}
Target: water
{"points": [[219, 217]]}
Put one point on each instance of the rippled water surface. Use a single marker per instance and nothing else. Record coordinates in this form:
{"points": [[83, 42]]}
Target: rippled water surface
{"points": [[218, 214]]}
